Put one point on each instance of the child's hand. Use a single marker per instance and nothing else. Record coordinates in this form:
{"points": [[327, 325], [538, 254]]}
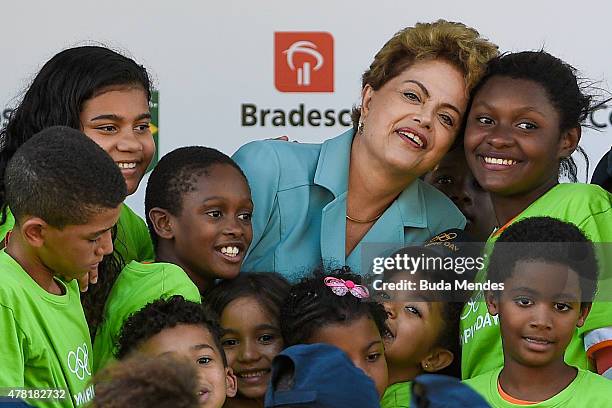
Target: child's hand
{"points": [[85, 280], [284, 138]]}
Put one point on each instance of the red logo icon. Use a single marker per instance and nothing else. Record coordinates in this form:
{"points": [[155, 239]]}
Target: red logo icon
{"points": [[304, 61]]}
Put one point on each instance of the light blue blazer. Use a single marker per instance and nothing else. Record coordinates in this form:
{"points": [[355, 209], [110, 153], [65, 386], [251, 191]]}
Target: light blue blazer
{"points": [[299, 194]]}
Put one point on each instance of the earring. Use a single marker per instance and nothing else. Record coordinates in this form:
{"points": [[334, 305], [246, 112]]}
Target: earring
{"points": [[360, 127]]}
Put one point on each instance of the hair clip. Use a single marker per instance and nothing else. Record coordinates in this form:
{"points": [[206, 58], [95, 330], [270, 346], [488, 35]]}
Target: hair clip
{"points": [[341, 287]]}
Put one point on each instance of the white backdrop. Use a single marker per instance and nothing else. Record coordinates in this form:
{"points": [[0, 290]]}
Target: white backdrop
{"points": [[208, 58]]}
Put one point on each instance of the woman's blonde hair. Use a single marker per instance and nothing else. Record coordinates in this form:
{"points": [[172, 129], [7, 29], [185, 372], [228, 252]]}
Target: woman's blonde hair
{"points": [[456, 43]]}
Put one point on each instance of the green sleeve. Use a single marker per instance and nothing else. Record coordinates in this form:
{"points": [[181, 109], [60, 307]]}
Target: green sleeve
{"points": [[598, 227], [7, 226], [133, 241], [174, 283], [12, 349], [146, 251], [397, 395], [137, 286]]}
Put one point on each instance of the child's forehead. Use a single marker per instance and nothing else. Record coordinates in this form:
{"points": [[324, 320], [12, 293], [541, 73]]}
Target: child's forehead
{"points": [[182, 338], [543, 277], [99, 219], [214, 170], [408, 295], [247, 312], [215, 181], [358, 332]]}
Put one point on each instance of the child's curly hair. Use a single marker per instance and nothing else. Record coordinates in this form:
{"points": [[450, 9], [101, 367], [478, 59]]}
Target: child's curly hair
{"points": [[164, 314], [311, 305]]}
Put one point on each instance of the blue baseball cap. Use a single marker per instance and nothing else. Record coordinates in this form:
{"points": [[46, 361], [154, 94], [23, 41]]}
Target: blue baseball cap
{"points": [[441, 391], [321, 376]]}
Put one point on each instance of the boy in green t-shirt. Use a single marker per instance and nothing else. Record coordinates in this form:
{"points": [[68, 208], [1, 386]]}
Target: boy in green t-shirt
{"points": [[65, 193], [184, 329], [549, 272], [198, 206]]}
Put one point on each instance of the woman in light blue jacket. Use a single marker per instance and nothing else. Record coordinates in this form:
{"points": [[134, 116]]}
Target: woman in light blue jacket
{"points": [[335, 203]]}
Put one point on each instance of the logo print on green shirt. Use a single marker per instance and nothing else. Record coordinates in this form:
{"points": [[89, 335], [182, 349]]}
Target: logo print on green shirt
{"points": [[78, 362]]}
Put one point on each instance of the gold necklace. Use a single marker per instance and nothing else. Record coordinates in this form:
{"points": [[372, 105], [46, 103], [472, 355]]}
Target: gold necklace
{"points": [[348, 217]]}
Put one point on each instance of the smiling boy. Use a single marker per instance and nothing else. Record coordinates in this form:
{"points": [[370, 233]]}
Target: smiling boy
{"points": [[186, 329], [548, 290], [198, 206], [65, 193]]}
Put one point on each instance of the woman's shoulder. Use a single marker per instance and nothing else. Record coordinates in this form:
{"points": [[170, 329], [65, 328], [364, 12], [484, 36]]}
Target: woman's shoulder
{"points": [[283, 153], [278, 164]]}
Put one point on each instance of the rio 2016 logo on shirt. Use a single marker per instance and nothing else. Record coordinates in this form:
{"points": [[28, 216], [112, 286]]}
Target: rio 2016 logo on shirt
{"points": [[78, 362], [304, 62]]}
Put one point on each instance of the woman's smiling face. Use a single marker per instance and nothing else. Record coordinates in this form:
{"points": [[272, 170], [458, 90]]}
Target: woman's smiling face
{"points": [[412, 120], [513, 142]]}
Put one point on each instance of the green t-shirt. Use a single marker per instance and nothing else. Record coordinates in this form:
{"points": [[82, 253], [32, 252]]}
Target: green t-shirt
{"points": [[590, 208], [7, 226], [136, 286], [132, 242], [44, 337], [588, 390], [397, 396]]}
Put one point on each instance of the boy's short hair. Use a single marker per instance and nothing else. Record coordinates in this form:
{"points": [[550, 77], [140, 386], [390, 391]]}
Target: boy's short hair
{"points": [[164, 314], [176, 174], [548, 240], [63, 177], [162, 382]]}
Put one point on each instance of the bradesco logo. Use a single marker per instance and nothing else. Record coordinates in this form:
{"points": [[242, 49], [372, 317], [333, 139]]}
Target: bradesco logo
{"points": [[304, 62]]}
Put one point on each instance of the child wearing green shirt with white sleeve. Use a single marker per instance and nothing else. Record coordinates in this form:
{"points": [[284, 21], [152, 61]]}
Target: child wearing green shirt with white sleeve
{"points": [[65, 193]]}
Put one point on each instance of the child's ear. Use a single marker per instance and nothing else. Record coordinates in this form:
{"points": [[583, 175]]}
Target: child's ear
{"points": [[585, 308], [492, 300], [231, 383], [34, 230], [437, 360], [569, 142], [161, 220]]}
